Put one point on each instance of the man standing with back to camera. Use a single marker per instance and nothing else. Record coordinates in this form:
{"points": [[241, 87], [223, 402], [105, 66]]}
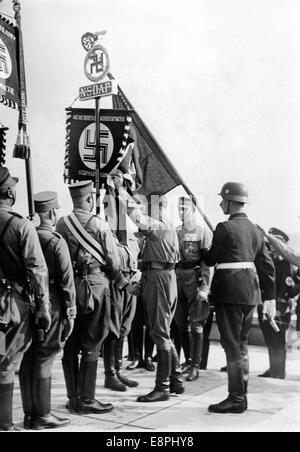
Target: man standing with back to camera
{"points": [[238, 250], [35, 373], [21, 264], [94, 255]]}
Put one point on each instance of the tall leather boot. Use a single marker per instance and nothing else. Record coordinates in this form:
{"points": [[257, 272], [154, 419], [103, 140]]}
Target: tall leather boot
{"points": [[27, 398], [87, 404], [118, 365], [161, 391], [6, 398], [246, 372], [176, 384], [278, 363], [197, 342], [236, 402], [185, 338], [109, 353], [71, 373], [41, 417]]}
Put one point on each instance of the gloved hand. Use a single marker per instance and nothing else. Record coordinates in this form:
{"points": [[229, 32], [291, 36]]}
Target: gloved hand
{"points": [[269, 309], [202, 295], [68, 328], [134, 286]]}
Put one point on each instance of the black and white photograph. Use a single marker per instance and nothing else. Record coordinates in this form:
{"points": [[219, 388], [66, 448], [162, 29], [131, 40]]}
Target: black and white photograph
{"points": [[149, 218]]}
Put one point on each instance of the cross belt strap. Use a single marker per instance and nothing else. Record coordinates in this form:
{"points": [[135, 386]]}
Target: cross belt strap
{"points": [[235, 265], [84, 238]]}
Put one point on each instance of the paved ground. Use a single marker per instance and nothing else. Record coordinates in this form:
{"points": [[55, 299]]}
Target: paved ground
{"points": [[274, 405]]}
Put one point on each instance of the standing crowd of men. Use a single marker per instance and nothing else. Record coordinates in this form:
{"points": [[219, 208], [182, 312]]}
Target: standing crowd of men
{"points": [[71, 285]]}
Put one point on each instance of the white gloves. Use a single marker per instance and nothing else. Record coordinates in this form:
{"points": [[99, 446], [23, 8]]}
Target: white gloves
{"points": [[202, 295], [135, 283], [269, 309]]}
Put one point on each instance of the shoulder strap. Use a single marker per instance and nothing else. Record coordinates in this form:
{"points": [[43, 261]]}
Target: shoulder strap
{"points": [[84, 238], [6, 226]]}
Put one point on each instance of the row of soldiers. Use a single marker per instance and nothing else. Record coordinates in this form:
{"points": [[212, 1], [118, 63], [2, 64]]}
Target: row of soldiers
{"points": [[79, 286]]}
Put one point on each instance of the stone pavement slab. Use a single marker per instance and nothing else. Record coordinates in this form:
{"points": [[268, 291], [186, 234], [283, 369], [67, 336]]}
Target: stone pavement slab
{"points": [[274, 405]]}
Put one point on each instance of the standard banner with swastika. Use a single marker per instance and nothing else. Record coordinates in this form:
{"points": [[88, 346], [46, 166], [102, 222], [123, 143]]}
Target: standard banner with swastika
{"points": [[9, 77], [80, 157]]}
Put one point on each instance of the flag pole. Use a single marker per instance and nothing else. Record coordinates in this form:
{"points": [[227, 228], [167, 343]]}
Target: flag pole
{"points": [[98, 156], [22, 147]]}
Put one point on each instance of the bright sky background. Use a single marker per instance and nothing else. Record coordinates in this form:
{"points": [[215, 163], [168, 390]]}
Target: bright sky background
{"points": [[216, 81]]}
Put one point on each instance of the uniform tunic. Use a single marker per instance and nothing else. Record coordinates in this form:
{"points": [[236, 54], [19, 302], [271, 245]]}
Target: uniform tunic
{"points": [[20, 257], [92, 328], [236, 292], [159, 285], [123, 305], [193, 243], [40, 356], [284, 272]]}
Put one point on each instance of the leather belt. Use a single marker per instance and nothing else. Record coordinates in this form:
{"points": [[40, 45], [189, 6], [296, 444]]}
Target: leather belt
{"points": [[90, 271], [235, 265], [187, 265], [158, 266]]}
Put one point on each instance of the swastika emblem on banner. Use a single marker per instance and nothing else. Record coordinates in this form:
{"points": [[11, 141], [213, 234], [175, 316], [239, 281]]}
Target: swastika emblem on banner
{"points": [[96, 63], [87, 145]]}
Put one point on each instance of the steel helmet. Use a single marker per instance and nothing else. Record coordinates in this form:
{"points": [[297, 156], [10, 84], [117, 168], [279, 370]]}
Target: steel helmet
{"points": [[234, 191]]}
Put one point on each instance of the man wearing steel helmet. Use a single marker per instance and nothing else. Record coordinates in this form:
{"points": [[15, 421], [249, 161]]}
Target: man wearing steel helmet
{"points": [[21, 264], [238, 250], [286, 288]]}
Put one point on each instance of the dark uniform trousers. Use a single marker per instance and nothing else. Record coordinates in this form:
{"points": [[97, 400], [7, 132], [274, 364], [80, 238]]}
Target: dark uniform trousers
{"points": [[186, 311], [235, 292], [89, 332], [234, 322], [123, 307], [122, 312], [36, 367], [14, 340], [141, 347], [39, 358], [160, 299], [276, 342]]}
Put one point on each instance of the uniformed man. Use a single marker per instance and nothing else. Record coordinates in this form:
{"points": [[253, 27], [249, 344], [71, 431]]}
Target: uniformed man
{"points": [[123, 309], [23, 273], [140, 342], [36, 368], [193, 284], [95, 255], [286, 288], [284, 250], [160, 254], [238, 250]]}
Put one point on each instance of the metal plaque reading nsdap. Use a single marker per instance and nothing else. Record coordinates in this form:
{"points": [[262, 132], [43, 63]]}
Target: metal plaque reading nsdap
{"points": [[96, 63], [98, 90]]}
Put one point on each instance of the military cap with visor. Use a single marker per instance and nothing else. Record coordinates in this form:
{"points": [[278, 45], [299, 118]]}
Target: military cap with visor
{"points": [[45, 201], [279, 234], [81, 189], [6, 180]]}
